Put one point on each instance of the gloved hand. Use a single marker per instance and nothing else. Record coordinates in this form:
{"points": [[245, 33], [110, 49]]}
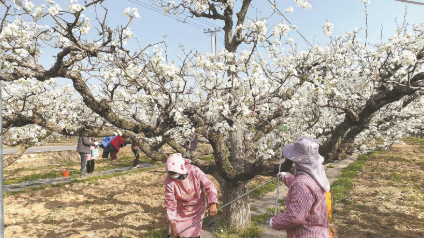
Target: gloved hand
{"points": [[96, 143], [270, 222], [282, 175]]}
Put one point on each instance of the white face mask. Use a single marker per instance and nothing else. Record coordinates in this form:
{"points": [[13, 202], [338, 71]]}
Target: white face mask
{"points": [[175, 176]]}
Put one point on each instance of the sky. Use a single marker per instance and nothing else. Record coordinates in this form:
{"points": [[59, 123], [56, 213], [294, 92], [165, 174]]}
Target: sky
{"points": [[344, 14]]}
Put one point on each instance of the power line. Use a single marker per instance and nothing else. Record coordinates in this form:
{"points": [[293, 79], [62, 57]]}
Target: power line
{"points": [[223, 42], [152, 8], [413, 2], [244, 47], [290, 23]]}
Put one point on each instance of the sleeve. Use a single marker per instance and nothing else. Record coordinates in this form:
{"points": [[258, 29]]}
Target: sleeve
{"points": [[87, 141], [300, 204], [170, 203], [288, 180], [209, 187]]}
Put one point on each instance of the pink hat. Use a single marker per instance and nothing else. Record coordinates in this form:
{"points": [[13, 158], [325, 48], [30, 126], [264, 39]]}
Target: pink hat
{"points": [[304, 150], [176, 163]]}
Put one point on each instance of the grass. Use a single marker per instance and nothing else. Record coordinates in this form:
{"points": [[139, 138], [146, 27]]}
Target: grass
{"points": [[341, 187], [414, 141], [32, 177], [158, 233], [12, 171], [263, 190], [260, 218], [73, 173], [92, 178], [224, 231], [385, 198]]}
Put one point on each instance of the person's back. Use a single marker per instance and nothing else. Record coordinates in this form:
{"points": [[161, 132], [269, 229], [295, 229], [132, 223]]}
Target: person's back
{"points": [[306, 213]]}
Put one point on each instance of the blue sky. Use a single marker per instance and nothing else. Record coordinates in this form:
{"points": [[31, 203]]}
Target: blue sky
{"points": [[344, 14]]}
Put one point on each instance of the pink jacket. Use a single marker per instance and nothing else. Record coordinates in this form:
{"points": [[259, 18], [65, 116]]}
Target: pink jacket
{"points": [[306, 212], [185, 200], [89, 157]]}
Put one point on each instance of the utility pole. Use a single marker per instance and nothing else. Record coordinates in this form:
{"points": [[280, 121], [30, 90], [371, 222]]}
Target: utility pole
{"points": [[213, 38]]}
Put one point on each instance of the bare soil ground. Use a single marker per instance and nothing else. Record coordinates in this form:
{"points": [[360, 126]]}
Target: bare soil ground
{"points": [[387, 199], [124, 206]]}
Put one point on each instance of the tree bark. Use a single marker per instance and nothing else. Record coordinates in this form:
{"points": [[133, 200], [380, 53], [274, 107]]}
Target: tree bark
{"points": [[237, 214]]}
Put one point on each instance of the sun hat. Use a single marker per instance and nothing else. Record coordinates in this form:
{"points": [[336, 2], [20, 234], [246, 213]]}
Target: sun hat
{"points": [[304, 152], [176, 163]]}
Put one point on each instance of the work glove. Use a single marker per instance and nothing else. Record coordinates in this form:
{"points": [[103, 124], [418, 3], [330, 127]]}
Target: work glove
{"points": [[212, 209], [270, 222], [282, 175], [96, 143]]}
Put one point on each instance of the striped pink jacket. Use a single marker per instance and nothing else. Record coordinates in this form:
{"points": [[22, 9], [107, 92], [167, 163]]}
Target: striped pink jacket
{"points": [[306, 212]]}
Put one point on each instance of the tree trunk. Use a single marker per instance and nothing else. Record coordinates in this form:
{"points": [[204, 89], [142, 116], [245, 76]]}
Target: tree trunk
{"points": [[346, 132], [237, 214]]}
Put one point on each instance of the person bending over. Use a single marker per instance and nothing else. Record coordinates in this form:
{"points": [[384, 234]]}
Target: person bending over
{"points": [[185, 199]]}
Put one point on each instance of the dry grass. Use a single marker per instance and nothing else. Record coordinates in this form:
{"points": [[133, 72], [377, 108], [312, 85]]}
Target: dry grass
{"points": [[387, 198], [129, 205], [124, 206], [386, 201], [48, 162]]}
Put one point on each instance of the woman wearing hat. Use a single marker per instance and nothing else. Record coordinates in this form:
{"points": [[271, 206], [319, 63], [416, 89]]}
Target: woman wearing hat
{"points": [[185, 199], [306, 212]]}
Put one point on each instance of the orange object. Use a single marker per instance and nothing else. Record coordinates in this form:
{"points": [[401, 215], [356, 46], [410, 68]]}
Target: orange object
{"points": [[328, 200], [65, 173]]}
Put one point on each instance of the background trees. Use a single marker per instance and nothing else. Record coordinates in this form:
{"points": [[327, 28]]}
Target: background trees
{"points": [[348, 94]]}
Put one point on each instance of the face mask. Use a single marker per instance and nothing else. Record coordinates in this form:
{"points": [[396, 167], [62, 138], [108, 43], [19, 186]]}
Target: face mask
{"points": [[175, 176]]}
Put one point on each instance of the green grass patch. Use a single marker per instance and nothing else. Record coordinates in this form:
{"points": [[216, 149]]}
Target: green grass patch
{"points": [[101, 165], [39, 176], [395, 176], [68, 164], [224, 231], [260, 218], [414, 141], [344, 183], [263, 190], [253, 209], [376, 152], [92, 178], [158, 233]]}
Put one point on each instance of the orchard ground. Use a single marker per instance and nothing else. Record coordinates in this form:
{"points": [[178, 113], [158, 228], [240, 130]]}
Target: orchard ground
{"points": [[384, 198]]}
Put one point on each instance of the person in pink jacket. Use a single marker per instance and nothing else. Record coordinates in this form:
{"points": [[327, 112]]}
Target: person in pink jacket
{"points": [[306, 212], [185, 198]]}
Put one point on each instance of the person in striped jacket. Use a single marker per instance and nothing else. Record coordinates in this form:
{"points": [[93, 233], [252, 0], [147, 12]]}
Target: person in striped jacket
{"points": [[306, 212]]}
